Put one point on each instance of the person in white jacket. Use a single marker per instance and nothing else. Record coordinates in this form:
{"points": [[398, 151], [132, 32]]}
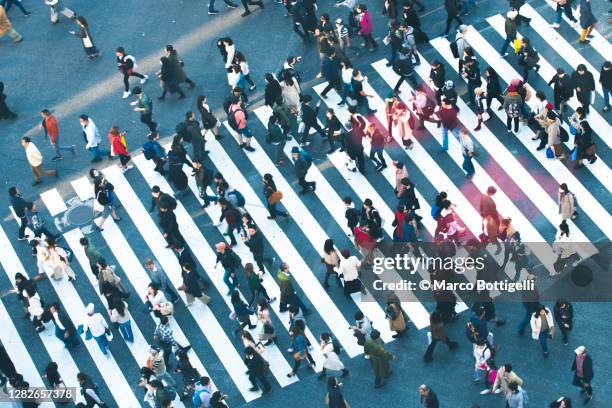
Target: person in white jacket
{"points": [[94, 326], [542, 327], [348, 270], [92, 136], [331, 359], [34, 307], [565, 249], [482, 353], [57, 261]]}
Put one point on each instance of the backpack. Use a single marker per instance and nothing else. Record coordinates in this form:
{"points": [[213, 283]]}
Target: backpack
{"points": [[563, 135], [148, 150], [168, 394], [181, 130], [236, 198], [196, 400], [131, 57], [306, 157], [513, 110], [231, 118], [336, 345]]}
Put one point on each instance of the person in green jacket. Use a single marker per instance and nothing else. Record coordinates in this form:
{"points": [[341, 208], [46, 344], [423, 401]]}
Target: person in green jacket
{"points": [[379, 358], [92, 254]]}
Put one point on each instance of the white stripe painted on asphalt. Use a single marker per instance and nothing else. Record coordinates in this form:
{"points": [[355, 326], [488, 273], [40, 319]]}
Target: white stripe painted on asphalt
{"points": [[53, 201], [599, 169], [206, 256], [557, 170], [202, 314]]}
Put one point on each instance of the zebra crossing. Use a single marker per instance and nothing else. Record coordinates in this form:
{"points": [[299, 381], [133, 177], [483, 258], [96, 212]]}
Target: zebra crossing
{"points": [[526, 193]]}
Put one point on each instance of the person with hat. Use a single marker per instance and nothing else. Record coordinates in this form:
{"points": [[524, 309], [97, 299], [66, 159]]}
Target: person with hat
{"points": [[582, 366], [513, 107], [302, 163], [94, 326]]}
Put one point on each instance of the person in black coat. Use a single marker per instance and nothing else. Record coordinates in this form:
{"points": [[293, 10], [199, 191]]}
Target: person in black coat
{"points": [[169, 80], [257, 368], [159, 198], [5, 112], [354, 146], [242, 312], [192, 286], [605, 78], [64, 328], [273, 92], [177, 156], [255, 242], [6, 365], [437, 74], [170, 228], [410, 17], [184, 255], [408, 196], [584, 84], [204, 178], [18, 204], [563, 89], [561, 402], [493, 89], [309, 119], [404, 68], [331, 73], [584, 380], [471, 72], [371, 218], [191, 126], [230, 262], [334, 131], [564, 316], [429, 399], [453, 11]]}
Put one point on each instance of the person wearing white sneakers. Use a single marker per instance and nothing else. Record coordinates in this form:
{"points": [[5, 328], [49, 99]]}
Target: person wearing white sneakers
{"points": [[564, 6], [504, 377], [127, 65]]}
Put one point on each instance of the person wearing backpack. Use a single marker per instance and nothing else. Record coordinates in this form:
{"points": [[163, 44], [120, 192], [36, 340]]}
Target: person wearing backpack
{"points": [[277, 138], [202, 393], [302, 162], [152, 150], [127, 65], [231, 216], [237, 119], [512, 106], [330, 349]]}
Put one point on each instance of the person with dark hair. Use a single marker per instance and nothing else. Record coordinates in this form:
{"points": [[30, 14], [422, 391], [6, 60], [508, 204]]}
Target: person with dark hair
{"points": [[176, 66], [170, 82], [562, 402], [273, 92], [241, 311], [564, 316], [127, 66], [119, 314], [542, 327], [605, 79], [584, 84], [89, 391], [333, 397], [35, 159], [19, 206], [273, 196], [256, 370], [189, 373], [438, 334], [37, 222], [209, 120], [64, 328], [49, 125], [563, 90], [528, 58], [428, 397], [7, 4], [379, 358], [331, 260], [5, 112], [582, 366], [144, 106], [85, 36]]}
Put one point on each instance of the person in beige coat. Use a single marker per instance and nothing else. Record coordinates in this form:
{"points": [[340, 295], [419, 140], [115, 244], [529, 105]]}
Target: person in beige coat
{"points": [[107, 274], [554, 135], [505, 376], [57, 261], [35, 160], [567, 203], [6, 28]]}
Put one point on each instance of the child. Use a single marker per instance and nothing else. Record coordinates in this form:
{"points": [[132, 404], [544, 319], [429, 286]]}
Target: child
{"points": [[351, 214]]}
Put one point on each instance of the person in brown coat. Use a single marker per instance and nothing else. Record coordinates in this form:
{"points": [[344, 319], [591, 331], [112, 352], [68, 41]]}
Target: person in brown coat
{"points": [[490, 217], [438, 334], [7, 28]]}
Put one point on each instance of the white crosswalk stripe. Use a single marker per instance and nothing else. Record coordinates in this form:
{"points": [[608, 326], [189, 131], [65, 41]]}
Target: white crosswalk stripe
{"points": [[532, 190]]}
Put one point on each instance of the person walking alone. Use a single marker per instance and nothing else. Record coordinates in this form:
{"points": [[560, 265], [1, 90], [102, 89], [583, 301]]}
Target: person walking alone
{"points": [[91, 135], [49, 125], [127, 67], [35, 160], [542, 327], [379, 358], [144, 105], [582, 366], [19, 206]]}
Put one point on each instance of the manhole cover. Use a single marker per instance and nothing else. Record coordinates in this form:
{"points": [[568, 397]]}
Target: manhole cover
{"points": [[80, 215]]}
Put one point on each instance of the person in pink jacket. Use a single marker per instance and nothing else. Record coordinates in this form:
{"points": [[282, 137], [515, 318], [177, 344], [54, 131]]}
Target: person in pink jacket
{"points": [[365, 27]]}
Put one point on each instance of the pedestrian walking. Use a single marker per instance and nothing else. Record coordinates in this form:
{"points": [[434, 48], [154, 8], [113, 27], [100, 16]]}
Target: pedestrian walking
{"points": [[127, 68], [564, 316], [108, 275], [331, 358], [379, 358], [104, 202], [453, 12], [513, 107], [177, 66], [58, 261], [256, 370], [209, 121], [377, 145], [37, 222], [528, 58], [563, 7], [516, 396], [191, 286], [5, 112], [468, 152], [543, 327], [554, 134], [35, 309], [299, 348], [563, 90], [302, 162], [288, 296], [51, 129], [582, 366], [438, 334], [119, 314], [584, 84], [265, 329], [587, 21], [7, 4], [449, 121], [561, 402], [89, 391], [119, 148], [428, 397], [510, 30], [144, 106], [169, 80], [567, 203], [35, 160], [91, 134], [64, 328], [309, 120], [152, 150], [19, 207], [156, 363], [94, 326], [164, 337], [88, 45], [404, 67], [334, 397], [605, 79], [237, 119]]}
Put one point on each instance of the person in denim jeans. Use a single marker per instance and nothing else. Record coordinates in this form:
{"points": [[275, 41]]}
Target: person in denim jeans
{"points": [[531, 301], [510, 29], [230, 261], [542, 327], [119, 314], [563, 6]]}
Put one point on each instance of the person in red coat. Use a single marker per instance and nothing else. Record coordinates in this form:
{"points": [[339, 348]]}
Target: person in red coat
{"points": [[49, 125], [119, 148]]}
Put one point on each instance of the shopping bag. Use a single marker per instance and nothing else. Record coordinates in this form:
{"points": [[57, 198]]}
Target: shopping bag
{"points": [[574, 154], [549, 153], [516, 45]]}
